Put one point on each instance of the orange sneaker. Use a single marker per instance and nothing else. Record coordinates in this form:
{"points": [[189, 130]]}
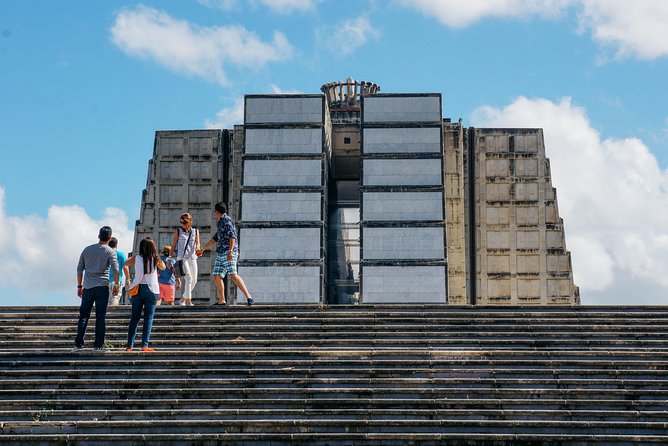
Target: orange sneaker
{"points": [[147, 349], [129, 349]]}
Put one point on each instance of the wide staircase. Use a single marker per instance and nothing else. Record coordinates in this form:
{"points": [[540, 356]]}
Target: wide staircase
{"points": [[340, 375]]}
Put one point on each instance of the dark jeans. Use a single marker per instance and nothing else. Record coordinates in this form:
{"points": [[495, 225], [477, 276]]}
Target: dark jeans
{"points": [[147, 301], [99, 296]]}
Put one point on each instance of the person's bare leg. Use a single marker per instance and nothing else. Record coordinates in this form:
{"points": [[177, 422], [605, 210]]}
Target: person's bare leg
{"points": [[219, 288], [239, 282]]}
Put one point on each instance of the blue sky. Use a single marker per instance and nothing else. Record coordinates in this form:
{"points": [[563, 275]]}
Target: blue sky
{"points": [[84, 86]]}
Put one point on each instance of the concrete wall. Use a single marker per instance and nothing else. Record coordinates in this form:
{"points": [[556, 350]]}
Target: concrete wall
{"points": [[296, 109], [402, 140], [401, 108], [281, 243], [402, 212], [393, 172], [281, 206], [284, 141], [283, 198], [455, 214], [283, 284], [403, 243], [402, 206], [520, 244], [279, 173], [404, 284], [186, 174]]}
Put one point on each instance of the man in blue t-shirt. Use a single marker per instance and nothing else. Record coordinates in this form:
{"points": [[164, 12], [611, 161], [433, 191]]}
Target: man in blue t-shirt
{"points": [[114, 299]]}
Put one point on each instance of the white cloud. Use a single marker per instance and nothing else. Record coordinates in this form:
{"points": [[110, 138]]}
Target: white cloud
{"points": [[287, 6], [631, 28], [344, 38], [278, 90], [190, 49], [41, 254], [223, 5], [634, 29], [612, 195], [459, 14], [280, 6], [227, 117]]}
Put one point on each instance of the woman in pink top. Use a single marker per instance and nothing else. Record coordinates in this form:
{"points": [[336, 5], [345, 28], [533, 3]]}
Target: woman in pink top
{"points": [[146, 264]]}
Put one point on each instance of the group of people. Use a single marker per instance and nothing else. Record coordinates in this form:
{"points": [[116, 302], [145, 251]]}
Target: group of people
{"points": [[102, 271]]}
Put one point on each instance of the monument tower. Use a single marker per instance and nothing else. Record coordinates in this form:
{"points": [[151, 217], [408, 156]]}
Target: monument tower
{"points": [[358, 196]]}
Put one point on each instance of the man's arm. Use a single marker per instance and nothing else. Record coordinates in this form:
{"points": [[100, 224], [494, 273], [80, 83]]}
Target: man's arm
{"points": [[80, 269], [230, 253]]}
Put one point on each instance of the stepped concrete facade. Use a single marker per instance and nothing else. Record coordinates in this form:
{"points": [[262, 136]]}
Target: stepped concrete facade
{"points": [[357, 196]]}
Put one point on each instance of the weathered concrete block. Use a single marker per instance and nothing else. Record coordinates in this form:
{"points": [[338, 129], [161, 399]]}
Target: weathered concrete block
{"points": [[497, 215], [170, 171], [528, 288], [281, 206], [390, 109], [402, 140], [498, 240], [280, 243], [403, 284], [413, 172], [298, 109], [282, 284], [528, 263], [498, 288], [282, 173], [171, 194], [497, 168], [497, 191], [526, 191], [403, 243], [527, 215], [528, 240], [283, 141], [497, 264], [402, 206], [558, 263], [200, 194], [526, 168], [555, 239], [200, 170]]}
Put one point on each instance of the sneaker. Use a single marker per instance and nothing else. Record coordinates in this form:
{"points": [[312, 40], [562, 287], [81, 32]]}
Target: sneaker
{"points": [[100, 350], [128, 349], [250, 301], [147, 349], [182, 303], [77, 348]]}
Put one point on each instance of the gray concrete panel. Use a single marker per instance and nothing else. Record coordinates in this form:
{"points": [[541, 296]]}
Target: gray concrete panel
{"points": [[282, 284], [411, 172], [282, 173], [403, 243], [402, 109], [281, 206], [283, 141], [403, 284], [402, 140], [264, 110], [280, 243], [402, 206]]}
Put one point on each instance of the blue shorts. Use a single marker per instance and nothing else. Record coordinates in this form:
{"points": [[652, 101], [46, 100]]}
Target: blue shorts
{"points": [[224, 267]]}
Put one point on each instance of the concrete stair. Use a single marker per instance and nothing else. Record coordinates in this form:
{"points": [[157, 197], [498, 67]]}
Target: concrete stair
{"points": [[340, 375]]}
